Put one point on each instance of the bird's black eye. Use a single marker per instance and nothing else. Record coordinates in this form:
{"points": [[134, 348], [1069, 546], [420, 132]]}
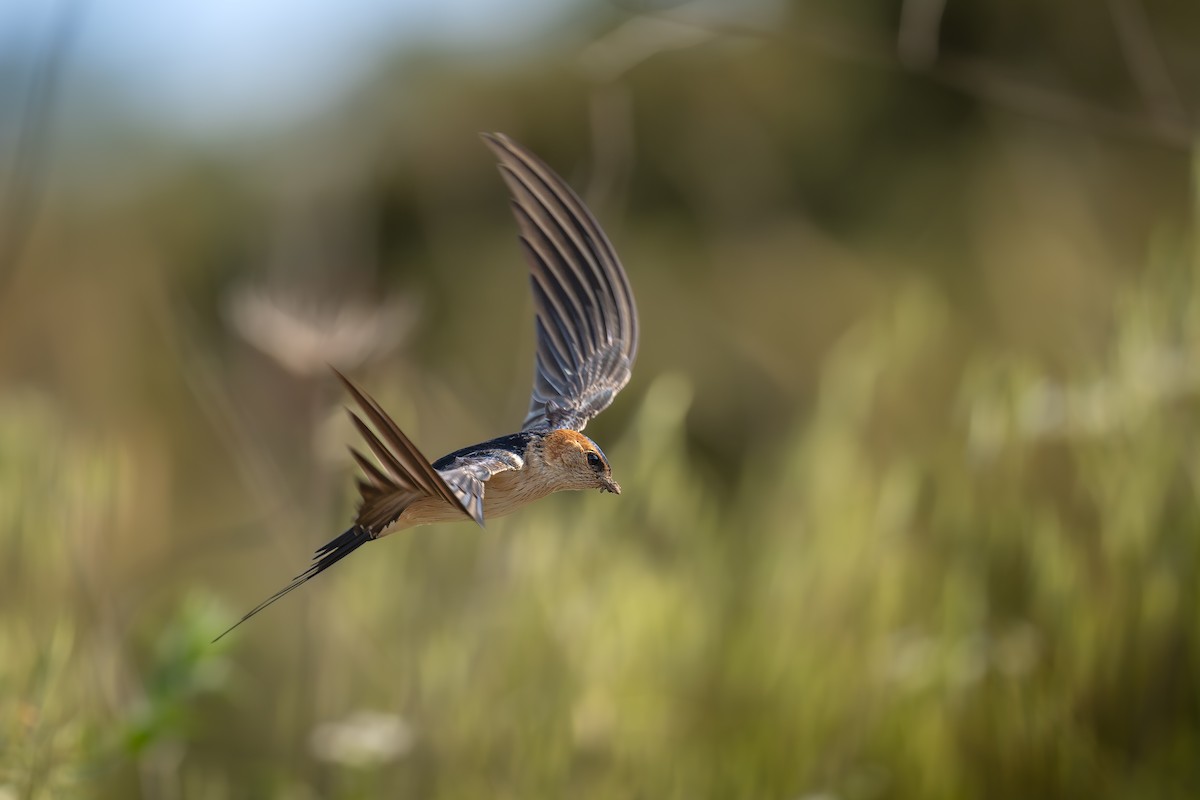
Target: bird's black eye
{"points": [[594, 461]]}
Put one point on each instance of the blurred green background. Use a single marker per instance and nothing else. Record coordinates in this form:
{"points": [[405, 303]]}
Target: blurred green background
{"points": [[909, 456]]}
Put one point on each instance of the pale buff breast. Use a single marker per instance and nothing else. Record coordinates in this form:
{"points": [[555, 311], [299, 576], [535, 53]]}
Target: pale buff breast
{"points": [[504, 494]]}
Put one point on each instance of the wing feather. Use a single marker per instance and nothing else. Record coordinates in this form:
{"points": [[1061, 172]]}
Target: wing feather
{"points": [[468, 473], [587, 329]]}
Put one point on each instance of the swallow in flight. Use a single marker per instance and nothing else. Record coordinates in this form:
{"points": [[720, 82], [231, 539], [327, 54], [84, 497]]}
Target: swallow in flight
{"points": [[587, 336]]}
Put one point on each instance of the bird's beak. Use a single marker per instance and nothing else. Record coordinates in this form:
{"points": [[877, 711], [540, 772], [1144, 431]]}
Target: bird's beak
{"points": [[609, 485]]}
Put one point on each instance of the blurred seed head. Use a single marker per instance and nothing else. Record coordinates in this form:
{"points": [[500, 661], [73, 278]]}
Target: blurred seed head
{"points": [[910, 661], [1018, 651], [363, 739], [1145, 377], [304, 335]]}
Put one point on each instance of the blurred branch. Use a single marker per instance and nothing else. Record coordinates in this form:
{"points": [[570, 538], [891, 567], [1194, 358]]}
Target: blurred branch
{"points": [[983, 81], [611, 117], [977, 78], [26, 181], [1145, 61]]}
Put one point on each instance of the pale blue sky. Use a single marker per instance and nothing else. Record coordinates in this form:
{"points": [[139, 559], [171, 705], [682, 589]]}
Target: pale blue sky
{"points": [[208, 64]]}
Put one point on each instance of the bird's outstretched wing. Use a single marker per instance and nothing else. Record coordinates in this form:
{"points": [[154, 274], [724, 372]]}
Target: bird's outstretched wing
{"points": [[587, 328]]}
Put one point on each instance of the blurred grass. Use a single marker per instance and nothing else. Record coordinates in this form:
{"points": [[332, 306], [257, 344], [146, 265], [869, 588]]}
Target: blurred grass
{"points": [[909, 456], [990, 607]]}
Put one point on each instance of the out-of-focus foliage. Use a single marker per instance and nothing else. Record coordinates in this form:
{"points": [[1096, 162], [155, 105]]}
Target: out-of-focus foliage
{"points": [[910, 455]]}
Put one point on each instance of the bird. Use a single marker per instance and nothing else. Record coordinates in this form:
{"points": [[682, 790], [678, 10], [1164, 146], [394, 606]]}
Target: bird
{"points": [[586, 332]]}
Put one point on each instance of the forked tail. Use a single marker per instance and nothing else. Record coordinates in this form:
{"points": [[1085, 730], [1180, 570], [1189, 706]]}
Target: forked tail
{"points": [[402, 477], [325, 557]]}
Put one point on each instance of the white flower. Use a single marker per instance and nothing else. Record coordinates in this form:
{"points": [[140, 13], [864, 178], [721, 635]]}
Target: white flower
{"points": [[363, 739]]}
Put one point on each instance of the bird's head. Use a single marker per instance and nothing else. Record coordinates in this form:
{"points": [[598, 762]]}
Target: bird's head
{"points": [[577, 462]]}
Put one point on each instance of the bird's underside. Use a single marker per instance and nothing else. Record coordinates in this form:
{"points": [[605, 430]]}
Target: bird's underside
{"points": [[489, 470]]}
